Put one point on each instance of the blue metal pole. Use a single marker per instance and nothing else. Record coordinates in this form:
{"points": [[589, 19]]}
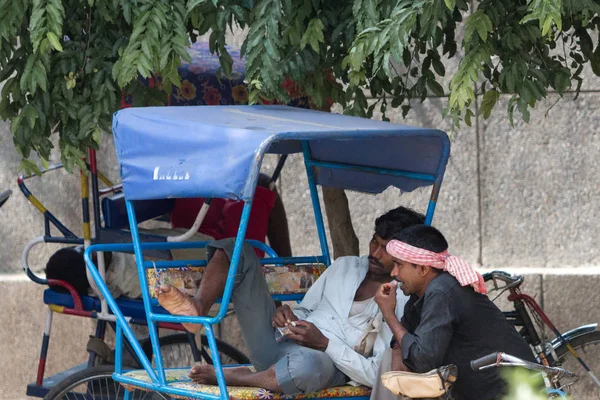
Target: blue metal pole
{"points": [[437, 183], [314, 194], [235, 260], [118, 349], [433, 201], [139, 260], [116, 311], [380, 171], [212, 343]]}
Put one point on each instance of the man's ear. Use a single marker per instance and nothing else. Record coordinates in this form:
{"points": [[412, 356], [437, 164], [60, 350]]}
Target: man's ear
{"points": [[424, 270]]}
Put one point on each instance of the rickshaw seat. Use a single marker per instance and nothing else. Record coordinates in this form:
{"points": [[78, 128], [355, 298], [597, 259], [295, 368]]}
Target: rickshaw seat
{"points": [[54, 297], [115, 212], [178, 378], [133, 308]]}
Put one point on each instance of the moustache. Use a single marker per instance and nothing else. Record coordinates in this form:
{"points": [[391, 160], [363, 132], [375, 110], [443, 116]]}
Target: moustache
{"points": [[375, 261]]}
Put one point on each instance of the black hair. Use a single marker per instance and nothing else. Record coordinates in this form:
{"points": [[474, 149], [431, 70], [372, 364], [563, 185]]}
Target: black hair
{"points": [[395, 220], [423, 237], [68, 265]]}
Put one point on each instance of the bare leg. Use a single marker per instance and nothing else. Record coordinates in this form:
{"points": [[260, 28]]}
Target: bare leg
{"points": [[213, 282], [211, 287], [252, 302], [241, 376]]}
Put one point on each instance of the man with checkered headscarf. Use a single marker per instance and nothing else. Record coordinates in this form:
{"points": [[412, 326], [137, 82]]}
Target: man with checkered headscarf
{"points": [[448, 318]]}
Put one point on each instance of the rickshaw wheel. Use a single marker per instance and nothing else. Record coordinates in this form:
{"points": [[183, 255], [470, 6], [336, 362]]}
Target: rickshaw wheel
{"points": [[177, 351], [96, 384]]}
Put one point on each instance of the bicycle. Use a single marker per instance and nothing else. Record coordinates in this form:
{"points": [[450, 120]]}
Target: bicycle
{"points": [[554, 377], [564, 350]]}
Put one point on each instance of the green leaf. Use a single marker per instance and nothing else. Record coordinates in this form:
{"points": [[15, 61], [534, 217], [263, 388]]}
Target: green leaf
{"points": [[31, 114], [524, 110], [585, 41], [16, 123], [435, 87], [39, 73], [25, 78], [489, 101], [438, 67], [468, 115], [29, 167], [562, 82], [451, 4], [547, 13], [480, 22], [53, 39], [313, 35]]}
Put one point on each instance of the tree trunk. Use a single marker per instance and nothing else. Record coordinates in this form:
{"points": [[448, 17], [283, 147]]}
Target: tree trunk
{"points": [[343, 237]]}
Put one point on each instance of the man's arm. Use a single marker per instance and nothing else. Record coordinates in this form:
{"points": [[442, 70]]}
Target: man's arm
{"points": [[387, 300], [425, 349], [358, 368]]}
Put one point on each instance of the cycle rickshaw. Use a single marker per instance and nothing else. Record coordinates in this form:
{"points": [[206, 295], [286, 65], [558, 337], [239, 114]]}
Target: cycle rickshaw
{"points": [[220, 155]]}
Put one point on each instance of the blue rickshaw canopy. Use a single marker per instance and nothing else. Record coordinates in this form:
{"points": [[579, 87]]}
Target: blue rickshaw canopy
{"points": [[216, 151]]}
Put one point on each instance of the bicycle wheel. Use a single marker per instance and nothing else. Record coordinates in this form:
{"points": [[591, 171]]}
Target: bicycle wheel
{"points": [[178, 351], [588, 348], [96, 384]]}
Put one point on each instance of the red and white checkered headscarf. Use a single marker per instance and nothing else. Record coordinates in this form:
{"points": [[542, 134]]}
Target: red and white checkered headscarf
{"points": [[458, 268]]}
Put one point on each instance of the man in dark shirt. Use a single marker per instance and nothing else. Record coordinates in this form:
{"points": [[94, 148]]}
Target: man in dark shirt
{"points": [[448, 319]]}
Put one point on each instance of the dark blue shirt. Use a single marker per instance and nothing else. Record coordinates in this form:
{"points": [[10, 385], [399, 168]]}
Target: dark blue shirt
{"points": [[452, 324]]}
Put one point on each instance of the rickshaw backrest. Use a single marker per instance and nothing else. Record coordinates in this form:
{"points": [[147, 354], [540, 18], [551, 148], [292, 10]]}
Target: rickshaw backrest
{"points": [[285, 282], [115, 212]]}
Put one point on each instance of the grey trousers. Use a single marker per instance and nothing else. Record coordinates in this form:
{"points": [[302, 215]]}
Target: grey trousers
{"points": [[380, 392], [297, 368]]}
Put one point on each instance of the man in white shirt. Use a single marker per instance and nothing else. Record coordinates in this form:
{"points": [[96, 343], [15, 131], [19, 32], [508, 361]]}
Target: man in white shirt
{"points": [[337, 331]]}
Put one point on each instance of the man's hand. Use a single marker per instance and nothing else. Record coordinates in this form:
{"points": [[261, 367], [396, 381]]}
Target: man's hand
{"points": [[283, 316], [386, 298], [308, 335]]}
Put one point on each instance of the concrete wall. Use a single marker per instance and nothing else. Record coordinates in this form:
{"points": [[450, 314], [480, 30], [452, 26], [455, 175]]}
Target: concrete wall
{"points": [[522, 198]]}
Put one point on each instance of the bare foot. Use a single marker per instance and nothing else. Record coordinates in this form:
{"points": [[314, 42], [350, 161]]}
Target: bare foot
{"points": [[177, 303], [205, 374]]}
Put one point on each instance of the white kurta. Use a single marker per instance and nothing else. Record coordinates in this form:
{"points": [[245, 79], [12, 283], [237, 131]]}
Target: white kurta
{"points": [[327, 305]]}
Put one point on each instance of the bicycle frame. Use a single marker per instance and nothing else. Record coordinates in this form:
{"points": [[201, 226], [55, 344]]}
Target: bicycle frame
{"points": [[521, 301]]}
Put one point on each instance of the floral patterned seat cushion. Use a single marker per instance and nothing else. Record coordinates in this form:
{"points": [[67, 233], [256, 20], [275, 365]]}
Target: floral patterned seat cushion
{"points": [[178, 378], [288, 279]]}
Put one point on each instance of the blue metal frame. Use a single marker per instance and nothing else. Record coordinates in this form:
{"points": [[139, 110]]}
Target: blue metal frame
{"points": [[314, 195]]}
